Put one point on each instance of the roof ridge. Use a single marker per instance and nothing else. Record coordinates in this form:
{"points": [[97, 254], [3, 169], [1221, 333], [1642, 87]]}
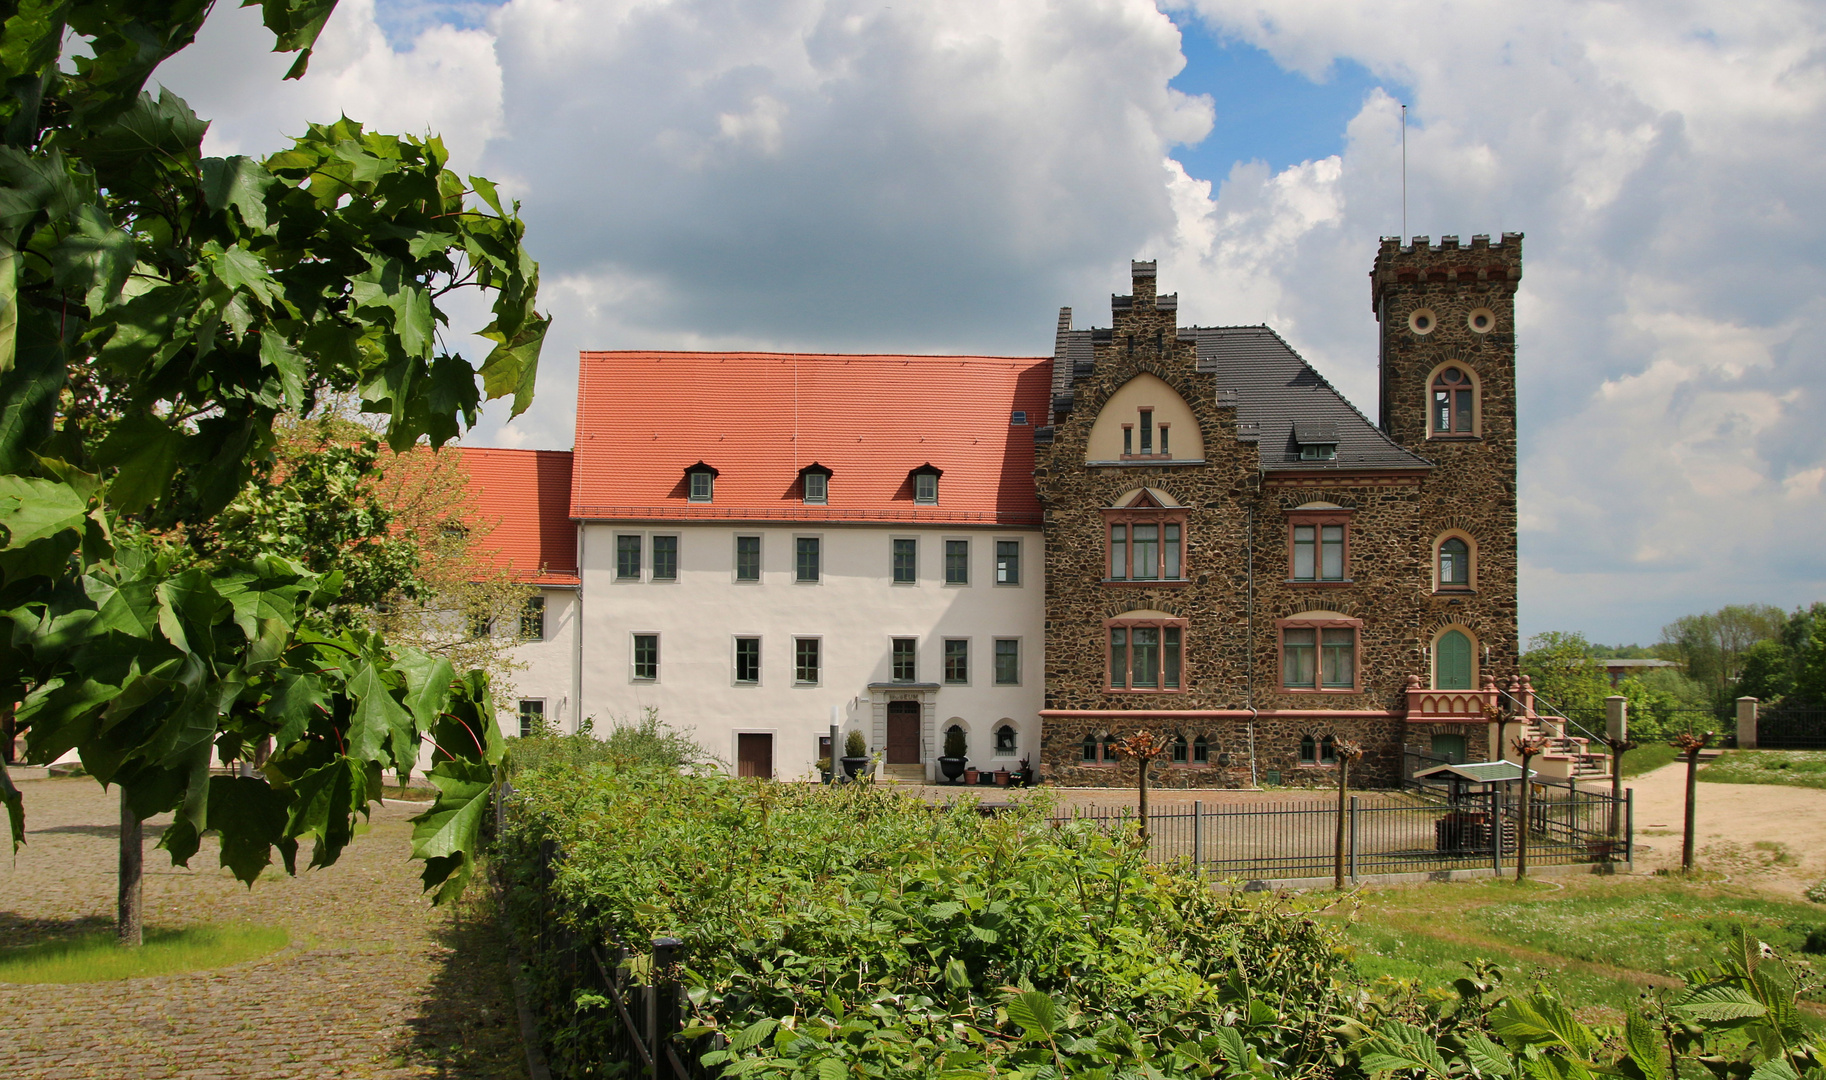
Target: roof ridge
{"points": [[761, 353]]}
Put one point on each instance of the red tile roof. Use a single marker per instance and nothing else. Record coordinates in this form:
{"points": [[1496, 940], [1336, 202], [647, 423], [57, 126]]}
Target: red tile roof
{"points": [[758, 418], [525, 495]]}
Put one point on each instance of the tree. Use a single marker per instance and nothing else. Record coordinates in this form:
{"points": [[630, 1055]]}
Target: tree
{"points": [[1712, 646], [1564, 674], [159, 311], [1767, 672]]}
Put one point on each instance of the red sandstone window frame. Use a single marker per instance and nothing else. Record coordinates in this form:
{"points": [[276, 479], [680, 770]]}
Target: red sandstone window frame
{"points": [[1318, 519], [1145, 511], [1319, 626], [1129, 626], [1469, 585], [1457, 426], [1107, 756]]}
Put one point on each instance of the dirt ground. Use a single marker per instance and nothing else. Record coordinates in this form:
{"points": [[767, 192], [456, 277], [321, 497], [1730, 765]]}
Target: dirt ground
{"points": [[375, 983], [1764, 835]]}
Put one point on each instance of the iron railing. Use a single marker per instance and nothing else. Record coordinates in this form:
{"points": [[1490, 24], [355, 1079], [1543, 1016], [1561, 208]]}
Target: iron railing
{"points": [[1787, 727]]}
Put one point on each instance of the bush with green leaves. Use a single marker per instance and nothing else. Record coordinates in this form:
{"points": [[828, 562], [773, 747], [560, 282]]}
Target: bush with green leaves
{"points": [[858, 931], [648, 741], [955, 746], [854, 745]]}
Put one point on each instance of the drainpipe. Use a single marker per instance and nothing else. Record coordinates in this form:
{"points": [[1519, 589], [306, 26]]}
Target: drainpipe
{"points": [[1249, 647]]}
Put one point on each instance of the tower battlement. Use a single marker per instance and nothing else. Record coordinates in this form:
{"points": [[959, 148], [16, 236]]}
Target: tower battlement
{"points": [[1422, 262]]}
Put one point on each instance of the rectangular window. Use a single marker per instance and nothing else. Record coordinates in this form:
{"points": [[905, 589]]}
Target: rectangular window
{"points": [[1119, 658], [1128, 438], [1144, 657], [748, 659], [1163, 440], [817, 487], [925, 488], [1169, 647], [1463, 419], [1119, 552], [906, 659], [748, 558], [665, 558], [1297, 648], [532, 716], [532, 619], [627, 558], [1147, 431], [646, 656], [957, 562], [906, 562], [1007, 662], [1169, 550], [1147, 552], [957, 661], [805, 661], [805, 560], [1305, 552], [1442, 406], [701, 486], [1331, 552], [1338, 658], [1007, 562]]}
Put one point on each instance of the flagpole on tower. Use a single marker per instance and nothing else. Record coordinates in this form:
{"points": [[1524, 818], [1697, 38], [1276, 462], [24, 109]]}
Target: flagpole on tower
{"points": [[1404, 175]]}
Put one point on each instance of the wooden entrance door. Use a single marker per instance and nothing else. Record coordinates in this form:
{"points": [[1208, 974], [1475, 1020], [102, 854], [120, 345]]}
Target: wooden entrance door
{"points": [[754, 755], [903, 733]]}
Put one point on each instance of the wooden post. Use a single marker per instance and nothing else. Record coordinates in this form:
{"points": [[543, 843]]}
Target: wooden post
{"points": [[129, 908], [1526, 749], [1347, 752], [1690, 745]]}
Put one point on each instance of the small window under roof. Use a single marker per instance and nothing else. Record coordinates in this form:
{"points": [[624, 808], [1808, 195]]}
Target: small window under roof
{"points": [[700, 482], [815, 483], [1020, 417], [925, 483], [1318, 439]]}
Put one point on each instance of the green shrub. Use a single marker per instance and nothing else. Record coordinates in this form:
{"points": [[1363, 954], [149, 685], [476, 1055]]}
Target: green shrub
{"points": [[645, 742], [955, 746], [1817, 892], [854, 745], [829, 928]]}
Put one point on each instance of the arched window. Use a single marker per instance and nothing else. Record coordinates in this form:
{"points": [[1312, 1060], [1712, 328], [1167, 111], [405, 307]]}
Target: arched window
{"points": [[1328, 751], [1454, 563], [1309, 750], [1089, 749], [1201, 751], [1180, 749], [1453, 661], [1453, 402], [1099, 749], [1004, 739]]}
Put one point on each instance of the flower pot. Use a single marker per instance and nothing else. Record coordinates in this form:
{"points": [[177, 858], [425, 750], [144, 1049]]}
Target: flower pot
{"points": [[985, 778], [970, 776], [1001, 778], [951, 767], [854, 765]]}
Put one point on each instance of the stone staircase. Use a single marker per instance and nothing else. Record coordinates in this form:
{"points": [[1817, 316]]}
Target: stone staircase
{"points": [[1567, 757], [903, 774]]}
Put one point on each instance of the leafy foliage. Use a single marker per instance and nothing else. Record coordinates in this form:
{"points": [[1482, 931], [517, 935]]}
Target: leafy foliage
{"points": [[159, 310], [648, 741], [857, 932]]}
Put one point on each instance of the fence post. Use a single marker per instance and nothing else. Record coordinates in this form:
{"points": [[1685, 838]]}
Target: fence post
{"points": [[1353, 839], [1629, 826], [1496, 830], [1198, 834], [660, 1023], [1746, 723]]}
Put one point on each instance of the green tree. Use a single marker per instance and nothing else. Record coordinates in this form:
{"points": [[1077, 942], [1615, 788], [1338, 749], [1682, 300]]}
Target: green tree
{"points": [[159, 311], [1767, 672], [1565, 675], [1711, 647]]}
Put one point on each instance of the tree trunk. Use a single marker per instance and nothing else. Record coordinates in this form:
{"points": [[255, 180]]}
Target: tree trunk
{"points": [[1144, 800], [1521, 832], [1338, 852], [1686, 841], [128, 929]]}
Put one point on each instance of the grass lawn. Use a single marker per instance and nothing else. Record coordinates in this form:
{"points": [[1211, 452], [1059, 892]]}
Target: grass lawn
{"points": [[1648, 758], [94, 957], [1599, 941], [1792, 768]]}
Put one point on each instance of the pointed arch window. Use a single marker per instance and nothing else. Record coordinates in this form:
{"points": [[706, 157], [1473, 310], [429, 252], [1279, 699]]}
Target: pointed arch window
{"points": [[1454, 409], [1182, 750]]}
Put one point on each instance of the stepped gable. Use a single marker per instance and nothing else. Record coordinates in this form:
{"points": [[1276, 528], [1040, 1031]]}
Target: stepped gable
{"points": [[758, 419], [525, 496], [1276, 389]]}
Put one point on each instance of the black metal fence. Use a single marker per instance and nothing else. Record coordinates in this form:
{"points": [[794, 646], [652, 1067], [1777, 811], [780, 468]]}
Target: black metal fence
{"points": [[1384, 833], [1787, 727]]}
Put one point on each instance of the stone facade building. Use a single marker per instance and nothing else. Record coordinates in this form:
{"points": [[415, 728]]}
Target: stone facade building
{"points": [[1183, 529]]}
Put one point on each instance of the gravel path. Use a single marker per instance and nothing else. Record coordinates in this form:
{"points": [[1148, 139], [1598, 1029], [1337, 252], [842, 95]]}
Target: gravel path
{"points": [[1762, 834], [375, 983]]}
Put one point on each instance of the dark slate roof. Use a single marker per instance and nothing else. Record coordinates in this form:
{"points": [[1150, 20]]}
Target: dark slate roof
{"points": [[1276, 389]]}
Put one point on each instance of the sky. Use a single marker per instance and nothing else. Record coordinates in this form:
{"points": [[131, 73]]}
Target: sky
{"points": [[850, 176]]}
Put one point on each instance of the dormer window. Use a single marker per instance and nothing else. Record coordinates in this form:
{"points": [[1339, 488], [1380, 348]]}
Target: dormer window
{"points": [[815, 484], [700, 483], [925, 483], [1317, 439]]}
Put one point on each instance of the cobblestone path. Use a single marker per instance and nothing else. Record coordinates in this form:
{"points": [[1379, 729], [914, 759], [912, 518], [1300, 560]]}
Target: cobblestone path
{"points": [[375, 982]]}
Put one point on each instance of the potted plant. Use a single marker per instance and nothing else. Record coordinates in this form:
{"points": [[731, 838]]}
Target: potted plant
{"points": [[1025, 777], [1001, 778], [970, 776], [824, 770], [855, 753], [952, 763]]}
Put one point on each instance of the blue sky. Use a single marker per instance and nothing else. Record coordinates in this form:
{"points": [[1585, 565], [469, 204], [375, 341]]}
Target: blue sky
{"points": [[849, 175]]}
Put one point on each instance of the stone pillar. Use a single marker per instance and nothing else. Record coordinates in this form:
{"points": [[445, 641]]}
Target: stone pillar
{"points": [[1746, 723], [1616, 718]]}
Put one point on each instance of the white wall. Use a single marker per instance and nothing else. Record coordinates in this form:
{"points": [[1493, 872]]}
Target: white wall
{"points": [[549, 664], [855, 610]]}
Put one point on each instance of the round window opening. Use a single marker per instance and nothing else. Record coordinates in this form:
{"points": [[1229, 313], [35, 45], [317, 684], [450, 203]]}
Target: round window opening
{"points": [[1482, 320], [1422, 321]]}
